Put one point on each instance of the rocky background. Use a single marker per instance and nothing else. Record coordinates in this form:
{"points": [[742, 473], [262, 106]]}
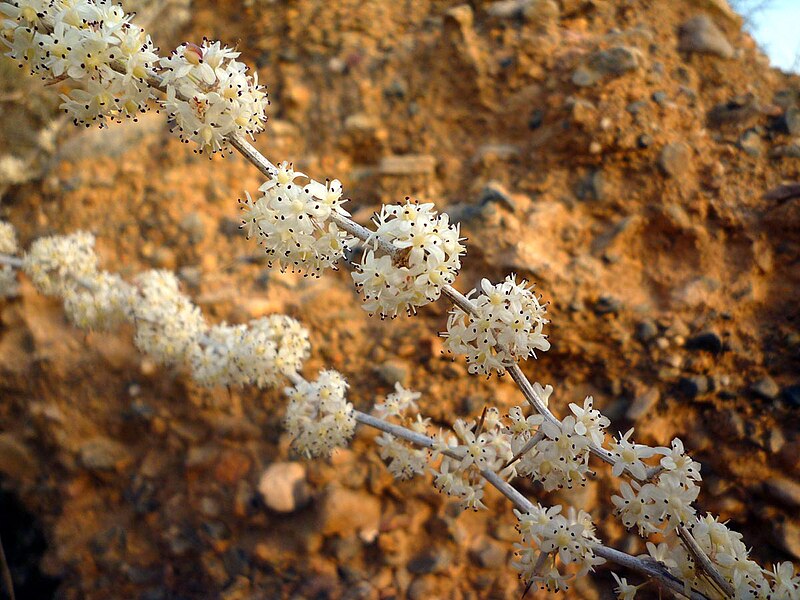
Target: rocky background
{"points": [[633, 158]]}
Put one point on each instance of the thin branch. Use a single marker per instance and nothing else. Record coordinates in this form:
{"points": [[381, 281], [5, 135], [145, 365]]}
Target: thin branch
{"points": [[704, 562], [11, 261], [647, 568]]}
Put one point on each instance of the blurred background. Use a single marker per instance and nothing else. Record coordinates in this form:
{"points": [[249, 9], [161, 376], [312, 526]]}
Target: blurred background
{"points": [[634, 159]]}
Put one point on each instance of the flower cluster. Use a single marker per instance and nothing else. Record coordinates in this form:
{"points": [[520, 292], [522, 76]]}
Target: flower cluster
{"points": [[8, 239], [561, 457], [101, 302], [730, 556], [507, 327], [428, 259], [293, 222], [665, 503], [318, 417], [168, 326], [555, 548], [475, 447], [167, 323], [60, 263], [258, 353], [210, 96], [8, 245], [404, 460], [93, 43]]}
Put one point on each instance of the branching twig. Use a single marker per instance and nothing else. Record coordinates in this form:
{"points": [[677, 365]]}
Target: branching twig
{"points": [[644, 567]]}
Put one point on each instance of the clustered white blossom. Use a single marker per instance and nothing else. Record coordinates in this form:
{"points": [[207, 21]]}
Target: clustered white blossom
{"points": [[507, 327], [318, 417], [404, 459], [293, 221], [428, 259], [59, 263], [663, 504], [259, 352], [93, 43], [210, 95], [555, 548], [168, 326], [560, 458], [101, 302], [167, 323], [472, 447], [730, 556], [9, 246]]}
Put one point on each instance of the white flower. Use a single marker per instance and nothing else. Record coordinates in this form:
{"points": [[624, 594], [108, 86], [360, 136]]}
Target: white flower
{"points": [[429, 258], [397, 402], [213, 358], [100, 302], [58, 263], [168, 325], [508, 327], [472, 496], [680, 464], [629, 456], [636, 507], [210, 96], [519, 425], [560, 459], [404, 460], [786, 583], [551, 542], [8, 239], [661, 553], [318, 416], [294, 225], [624, 590], [589, 421]]}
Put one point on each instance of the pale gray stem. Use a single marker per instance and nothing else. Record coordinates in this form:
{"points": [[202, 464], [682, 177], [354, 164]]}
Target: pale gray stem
{"points": [[11, 261], [249, 151], [650, 569], [704, 562], [535, 439], [362, 233]]}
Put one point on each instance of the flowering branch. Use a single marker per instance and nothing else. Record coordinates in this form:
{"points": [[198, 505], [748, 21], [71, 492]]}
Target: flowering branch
{"points": [[647, 568], [410, 259]]}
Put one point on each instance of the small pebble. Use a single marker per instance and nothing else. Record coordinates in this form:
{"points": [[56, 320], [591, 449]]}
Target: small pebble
{"points": [[693, 386], [766, 388], [646, 330], [707, 341], [283, 487]]}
